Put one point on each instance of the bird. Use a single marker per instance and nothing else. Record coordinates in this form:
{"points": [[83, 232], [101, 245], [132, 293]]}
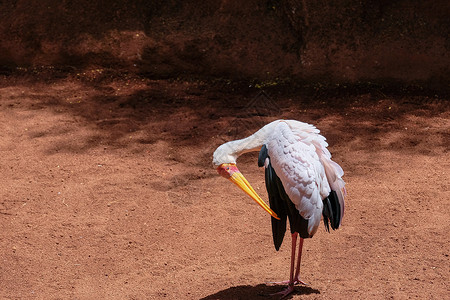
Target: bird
{"points": [[303, 183]]}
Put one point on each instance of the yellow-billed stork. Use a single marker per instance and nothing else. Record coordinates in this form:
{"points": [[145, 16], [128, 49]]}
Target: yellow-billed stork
{"points": [[302, 181]]}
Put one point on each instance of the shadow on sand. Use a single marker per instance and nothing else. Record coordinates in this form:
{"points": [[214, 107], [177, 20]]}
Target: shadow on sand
{"points": [[260, 291]]}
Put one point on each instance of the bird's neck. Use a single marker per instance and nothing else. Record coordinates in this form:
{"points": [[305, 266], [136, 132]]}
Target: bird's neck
{"points": [[251, 143], [242, 146]]}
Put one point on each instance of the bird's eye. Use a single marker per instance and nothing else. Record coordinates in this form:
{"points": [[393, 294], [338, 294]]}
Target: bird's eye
{"points": [[228, 168]]}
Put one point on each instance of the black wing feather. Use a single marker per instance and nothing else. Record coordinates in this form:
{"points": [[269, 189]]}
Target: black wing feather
{"points": [[277, 205], [331, 211]]}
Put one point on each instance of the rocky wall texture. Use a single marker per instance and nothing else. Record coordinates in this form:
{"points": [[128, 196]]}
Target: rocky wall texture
{"points": [[330, 41]]}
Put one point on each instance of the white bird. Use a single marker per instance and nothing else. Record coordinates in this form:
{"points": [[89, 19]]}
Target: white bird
{"points": [[302, 181]]}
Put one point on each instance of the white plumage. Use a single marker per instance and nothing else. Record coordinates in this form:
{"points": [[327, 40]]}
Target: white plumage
{"points": [[300, 157], [294, 158]]}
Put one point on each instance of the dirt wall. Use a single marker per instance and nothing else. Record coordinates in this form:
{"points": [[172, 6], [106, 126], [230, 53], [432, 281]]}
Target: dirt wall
{"points": [[331, 41]]}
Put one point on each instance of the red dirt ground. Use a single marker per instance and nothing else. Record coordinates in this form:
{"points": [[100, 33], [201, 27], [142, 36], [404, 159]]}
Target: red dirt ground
{"points": [[109, 192]]}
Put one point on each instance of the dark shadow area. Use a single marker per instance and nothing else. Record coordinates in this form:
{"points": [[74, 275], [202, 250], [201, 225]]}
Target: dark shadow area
{"points": [[203, 114], [260, 291]]}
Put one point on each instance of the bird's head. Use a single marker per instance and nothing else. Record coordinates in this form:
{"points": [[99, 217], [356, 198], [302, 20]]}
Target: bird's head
{"points": [[232, 173]]}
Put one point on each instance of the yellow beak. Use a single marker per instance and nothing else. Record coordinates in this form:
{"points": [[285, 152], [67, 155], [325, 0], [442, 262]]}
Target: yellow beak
{"points": [[241, 182]]}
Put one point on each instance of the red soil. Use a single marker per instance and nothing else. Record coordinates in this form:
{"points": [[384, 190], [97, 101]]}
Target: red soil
{"points": [[109, 192]]}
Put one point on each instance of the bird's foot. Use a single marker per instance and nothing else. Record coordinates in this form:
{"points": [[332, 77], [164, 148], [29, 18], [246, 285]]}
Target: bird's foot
{"points": [[295, 282], [299, 281]]}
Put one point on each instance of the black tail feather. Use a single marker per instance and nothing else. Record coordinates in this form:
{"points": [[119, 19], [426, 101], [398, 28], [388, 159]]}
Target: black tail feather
{"points": [[331, 211], [326, 213]]}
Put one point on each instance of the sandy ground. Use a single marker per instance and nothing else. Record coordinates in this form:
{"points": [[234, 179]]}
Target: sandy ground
{"points": [[108, 192]]}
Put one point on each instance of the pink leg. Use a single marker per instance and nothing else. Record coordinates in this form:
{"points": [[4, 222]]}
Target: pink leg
{"points": [[294, 244], [299, 259], [290, 287]]}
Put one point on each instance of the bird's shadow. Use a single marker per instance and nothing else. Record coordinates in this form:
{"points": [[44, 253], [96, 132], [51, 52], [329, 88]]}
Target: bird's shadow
{"points": [[260, 291]]}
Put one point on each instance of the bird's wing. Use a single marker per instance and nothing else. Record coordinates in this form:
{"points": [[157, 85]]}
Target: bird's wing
{"points": [[335, 201], [280, 203], [333, 171], [294, 158]]}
